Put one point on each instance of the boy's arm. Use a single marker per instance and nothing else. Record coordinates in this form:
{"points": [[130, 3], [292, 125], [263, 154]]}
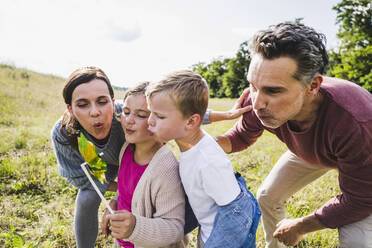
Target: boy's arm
{"points": [[236, 111]]}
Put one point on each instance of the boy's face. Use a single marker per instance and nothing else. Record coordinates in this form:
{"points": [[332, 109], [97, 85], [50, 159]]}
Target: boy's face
{"points": [[165, 121]]}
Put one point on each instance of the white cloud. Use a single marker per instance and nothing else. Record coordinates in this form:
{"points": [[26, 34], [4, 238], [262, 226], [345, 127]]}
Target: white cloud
{"points": [[124, 33]]}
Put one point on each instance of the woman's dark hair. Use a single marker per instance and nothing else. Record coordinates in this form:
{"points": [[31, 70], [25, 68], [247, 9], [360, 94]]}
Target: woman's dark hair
{"points": [[70, 127], [296, 41]]}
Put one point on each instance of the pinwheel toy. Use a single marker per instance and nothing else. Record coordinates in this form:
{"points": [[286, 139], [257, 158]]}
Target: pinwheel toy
{"points": [[97, 166]]}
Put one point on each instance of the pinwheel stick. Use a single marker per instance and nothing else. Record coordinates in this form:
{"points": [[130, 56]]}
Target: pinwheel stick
{"points": [[95, 187]]}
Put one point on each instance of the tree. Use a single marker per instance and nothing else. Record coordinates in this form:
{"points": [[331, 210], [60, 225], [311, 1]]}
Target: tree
{"points": [[213, 73], [352, 60], [235, 79], [226, 77]]}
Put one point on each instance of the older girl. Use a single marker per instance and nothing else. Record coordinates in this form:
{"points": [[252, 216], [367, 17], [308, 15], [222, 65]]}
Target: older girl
{"points": [[150, 204]]}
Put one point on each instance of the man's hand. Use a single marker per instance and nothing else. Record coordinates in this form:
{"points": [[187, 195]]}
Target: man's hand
{"points": [[122, 224], [105, 221], [290, 231]]}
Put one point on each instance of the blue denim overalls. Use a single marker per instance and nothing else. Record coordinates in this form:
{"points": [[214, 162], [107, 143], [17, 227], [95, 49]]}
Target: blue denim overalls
{"points": [[236, 223]]}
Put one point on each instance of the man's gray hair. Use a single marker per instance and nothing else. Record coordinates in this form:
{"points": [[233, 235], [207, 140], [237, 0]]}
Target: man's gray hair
{"points": [[296, 41]]}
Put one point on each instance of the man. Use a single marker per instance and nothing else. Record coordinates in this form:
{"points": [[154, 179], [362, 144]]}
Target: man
{"points": [[325, 122]]}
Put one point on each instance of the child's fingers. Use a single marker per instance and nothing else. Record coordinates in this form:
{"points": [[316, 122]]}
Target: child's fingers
{"points": [[120, 229], [121, 224], [116, 235], [246, 109], [119, 215], [243, 97], [104, 225]]}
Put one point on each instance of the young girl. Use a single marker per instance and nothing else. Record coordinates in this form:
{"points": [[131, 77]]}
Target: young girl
{"points": [[150, 204]]}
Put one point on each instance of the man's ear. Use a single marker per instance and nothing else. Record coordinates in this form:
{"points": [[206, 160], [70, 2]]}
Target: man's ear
{"points": [[193, 121], [314, 85]]}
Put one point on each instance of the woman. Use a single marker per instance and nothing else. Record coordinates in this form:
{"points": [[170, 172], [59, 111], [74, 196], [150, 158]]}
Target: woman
{"points": [[90, 103]]}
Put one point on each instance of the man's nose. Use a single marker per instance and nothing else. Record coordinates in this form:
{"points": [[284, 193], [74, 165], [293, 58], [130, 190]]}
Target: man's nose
{"points": [[258, 101]]}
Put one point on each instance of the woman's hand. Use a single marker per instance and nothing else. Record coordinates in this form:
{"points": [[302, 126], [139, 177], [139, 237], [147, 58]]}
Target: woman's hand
{"points": [[113, 186], [105, 221], [122, 224]]}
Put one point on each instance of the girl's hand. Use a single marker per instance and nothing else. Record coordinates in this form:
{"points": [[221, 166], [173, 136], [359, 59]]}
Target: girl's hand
{"points": [[105, 221], [122, 224]]}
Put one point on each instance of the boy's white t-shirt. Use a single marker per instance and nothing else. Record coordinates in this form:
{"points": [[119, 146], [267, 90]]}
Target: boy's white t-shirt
{"points": [[208, 179]]}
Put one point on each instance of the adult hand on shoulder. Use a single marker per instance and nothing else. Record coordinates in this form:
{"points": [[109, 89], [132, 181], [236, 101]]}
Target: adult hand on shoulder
{"points": [[105, 221], [122, 224], [288, 231]]}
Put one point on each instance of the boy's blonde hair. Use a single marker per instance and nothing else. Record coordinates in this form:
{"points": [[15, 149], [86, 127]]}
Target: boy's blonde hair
{"points": [[187, 89]]}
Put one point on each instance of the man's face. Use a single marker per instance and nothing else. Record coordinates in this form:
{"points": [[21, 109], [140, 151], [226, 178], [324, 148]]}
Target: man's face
{"points": [[276, 96], [165, 120]]}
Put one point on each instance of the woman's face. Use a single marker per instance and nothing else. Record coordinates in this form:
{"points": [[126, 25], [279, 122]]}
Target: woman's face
{"points": [[134, 119], [93, 108]]}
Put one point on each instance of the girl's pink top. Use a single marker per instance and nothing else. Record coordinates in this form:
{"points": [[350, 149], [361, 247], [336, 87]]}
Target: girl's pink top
{"points": [[128, 176]]}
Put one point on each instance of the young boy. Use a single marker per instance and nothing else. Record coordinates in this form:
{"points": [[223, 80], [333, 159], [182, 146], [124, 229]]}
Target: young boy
{"points": [[227, 212]]}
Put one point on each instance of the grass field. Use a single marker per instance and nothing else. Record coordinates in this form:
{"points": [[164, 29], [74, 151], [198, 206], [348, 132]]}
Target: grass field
{"points": [[37, 205]]}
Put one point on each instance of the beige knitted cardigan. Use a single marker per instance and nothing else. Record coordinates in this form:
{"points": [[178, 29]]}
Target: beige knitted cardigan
{"points": [[158, 203]]}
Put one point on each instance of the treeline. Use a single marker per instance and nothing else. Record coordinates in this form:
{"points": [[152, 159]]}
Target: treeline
{"points": [[352, 60], [226, 77]]}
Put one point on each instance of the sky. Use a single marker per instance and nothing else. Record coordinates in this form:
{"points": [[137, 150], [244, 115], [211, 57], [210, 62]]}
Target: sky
{"points": [[142, 40]]}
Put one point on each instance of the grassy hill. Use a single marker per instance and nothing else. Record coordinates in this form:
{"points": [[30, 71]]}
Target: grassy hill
{"points": [[37, 205]]}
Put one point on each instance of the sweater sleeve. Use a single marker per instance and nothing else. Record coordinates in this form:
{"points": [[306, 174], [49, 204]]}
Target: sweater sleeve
{"points": [[69, 160], [353, 151], [167, 222]]}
